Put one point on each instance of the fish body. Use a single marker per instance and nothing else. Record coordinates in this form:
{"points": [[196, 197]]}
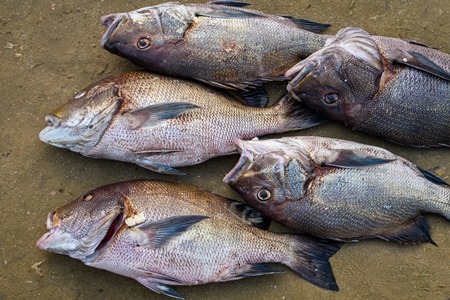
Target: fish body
{"points": [[393, 88], [160, 122], [164, 233], [219, 42], [338, 189]]}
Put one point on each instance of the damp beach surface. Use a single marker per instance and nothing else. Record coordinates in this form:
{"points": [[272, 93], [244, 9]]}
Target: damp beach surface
{"points": [[49, 51]]}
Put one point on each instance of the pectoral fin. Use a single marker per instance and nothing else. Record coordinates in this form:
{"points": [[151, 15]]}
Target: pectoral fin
{"points": [[156, 233], [350, 159], [151, 115], [419, 61]]}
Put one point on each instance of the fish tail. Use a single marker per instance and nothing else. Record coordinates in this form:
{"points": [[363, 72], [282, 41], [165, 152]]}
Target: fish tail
{"points": [[297, 114], [310, 260]]}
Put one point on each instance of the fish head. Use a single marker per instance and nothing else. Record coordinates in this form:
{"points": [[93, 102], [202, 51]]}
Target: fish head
{"points": [[270, 174], [341, 78], [79, 124], [85, 226], [146, 36]]}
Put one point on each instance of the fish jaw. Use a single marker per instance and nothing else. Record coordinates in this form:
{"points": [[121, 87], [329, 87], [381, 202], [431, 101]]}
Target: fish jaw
{"points": [[79, 128], [249, 150], [56, 240], [296, 74], [65, 240], [62, 137], [111, 22], [244, 163]]}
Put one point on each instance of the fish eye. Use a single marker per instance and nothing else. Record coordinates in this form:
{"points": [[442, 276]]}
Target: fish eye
{"points": [[264, 195], [87, 197], [331, 98], [143, 43]]}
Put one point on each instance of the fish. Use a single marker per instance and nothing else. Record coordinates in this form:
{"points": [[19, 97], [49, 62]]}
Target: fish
{"points": [[339, 189], [161, 123], [393, 88], [164, 233], [220, 42]]}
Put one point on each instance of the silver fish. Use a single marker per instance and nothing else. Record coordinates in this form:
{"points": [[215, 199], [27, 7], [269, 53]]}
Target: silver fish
{"points": [[339, 189], [218, 42], [393, 88], [160, 122], [164, 233]]}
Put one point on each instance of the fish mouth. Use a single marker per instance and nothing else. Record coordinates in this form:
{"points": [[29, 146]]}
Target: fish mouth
{"points": [[111, 22], [297, 73], [245, 162], [61, 241], [54, 240]]}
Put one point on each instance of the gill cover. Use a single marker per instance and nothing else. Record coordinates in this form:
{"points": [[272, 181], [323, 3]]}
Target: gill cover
{"points": [[79, 124]]}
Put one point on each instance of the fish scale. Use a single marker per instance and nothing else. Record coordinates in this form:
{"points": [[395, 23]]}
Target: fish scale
{"points": [[394, 88], [338, 189], [164, 233], [217, 43], [161, 122]]}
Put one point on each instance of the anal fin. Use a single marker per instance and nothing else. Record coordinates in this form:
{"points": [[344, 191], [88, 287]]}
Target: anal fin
{"points": [[144, 160], [159, 287], [418, 231], [255, 270]]}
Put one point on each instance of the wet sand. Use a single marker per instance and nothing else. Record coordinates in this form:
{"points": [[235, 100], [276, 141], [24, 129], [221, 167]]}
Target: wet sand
{"points": [[50, 51]]}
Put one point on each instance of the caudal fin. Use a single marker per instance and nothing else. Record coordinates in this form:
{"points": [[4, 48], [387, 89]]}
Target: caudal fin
{"points": [[310, 260], [297, 114]]}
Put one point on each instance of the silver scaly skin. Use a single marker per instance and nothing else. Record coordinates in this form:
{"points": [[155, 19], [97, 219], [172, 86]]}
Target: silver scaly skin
{"points": [[165, 233], [219, 43], [338, 189], [393, 88], [159, 122]]}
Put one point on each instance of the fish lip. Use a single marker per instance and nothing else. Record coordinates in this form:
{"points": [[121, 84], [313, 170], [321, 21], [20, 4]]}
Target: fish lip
{"points": [[244, 163], [111, 22], [41, 242], [297, 73], [43, 136]]}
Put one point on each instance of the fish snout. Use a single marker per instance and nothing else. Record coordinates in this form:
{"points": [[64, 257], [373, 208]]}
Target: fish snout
{"points": [[111, 22], [297, 73], [244, 163]]}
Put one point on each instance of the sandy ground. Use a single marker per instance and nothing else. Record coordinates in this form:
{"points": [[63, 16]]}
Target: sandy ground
{"points": [[50, 50]]}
